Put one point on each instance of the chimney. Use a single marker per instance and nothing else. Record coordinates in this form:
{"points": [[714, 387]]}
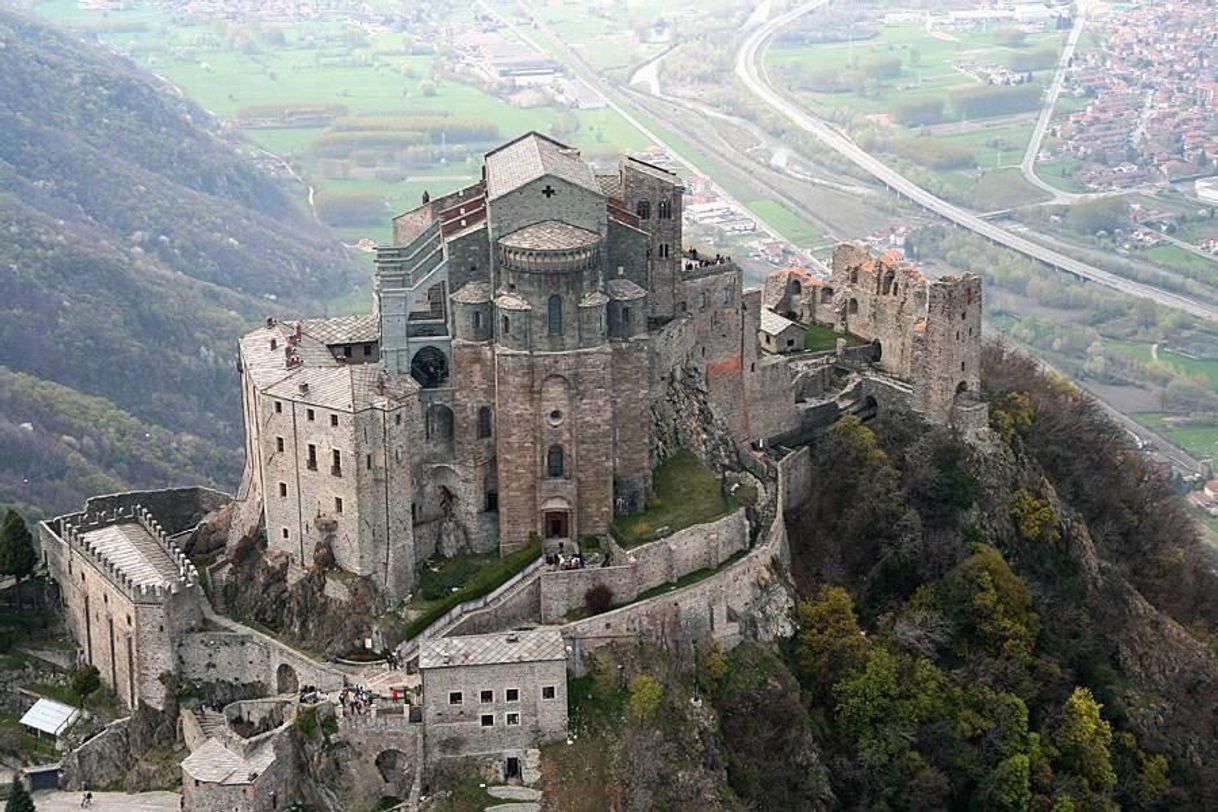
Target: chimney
{"points": [[304, 387]]}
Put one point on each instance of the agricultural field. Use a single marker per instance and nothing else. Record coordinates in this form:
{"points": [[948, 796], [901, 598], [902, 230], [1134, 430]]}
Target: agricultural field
{"points": [[259, 76]]}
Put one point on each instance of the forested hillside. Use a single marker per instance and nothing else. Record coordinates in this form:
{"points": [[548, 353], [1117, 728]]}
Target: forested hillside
{"points": [[1025, 623], [137, 244]]}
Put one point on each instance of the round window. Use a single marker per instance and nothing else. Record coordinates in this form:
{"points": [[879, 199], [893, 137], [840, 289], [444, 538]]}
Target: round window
{"points": [[556, 417]]}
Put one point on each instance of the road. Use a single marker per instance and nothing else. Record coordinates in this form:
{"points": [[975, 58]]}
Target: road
{"points": [[1028, 165], [577, 67], [752, 75]]}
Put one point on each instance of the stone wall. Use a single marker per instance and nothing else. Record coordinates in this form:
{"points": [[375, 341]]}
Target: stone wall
{"points": [[666, 560], [455, 730], [519, 607], [102, 761], [796, 472], [212, 656], [747, 600]]}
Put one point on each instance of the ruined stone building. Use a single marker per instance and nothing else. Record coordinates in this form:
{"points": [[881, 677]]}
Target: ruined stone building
{"points": [[924, 332]]}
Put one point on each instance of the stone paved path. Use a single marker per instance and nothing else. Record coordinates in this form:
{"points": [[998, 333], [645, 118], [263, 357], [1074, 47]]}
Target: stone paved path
{"points": [[56, 801], [511, 793], [514, 808]]}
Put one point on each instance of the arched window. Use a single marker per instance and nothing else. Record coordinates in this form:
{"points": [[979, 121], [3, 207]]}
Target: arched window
{"points": [[507, 326], [554, 461], [484, 422], [854, 305], [664, 210], [643, 209], [554, 315]]}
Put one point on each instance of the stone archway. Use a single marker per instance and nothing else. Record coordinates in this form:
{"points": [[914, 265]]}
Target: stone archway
{"points": [[394, 767], [429, 367], [286, 681]]}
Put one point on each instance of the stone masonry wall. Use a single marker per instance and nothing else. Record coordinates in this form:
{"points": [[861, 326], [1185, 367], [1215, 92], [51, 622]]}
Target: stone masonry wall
{"points": [[666, 560]]}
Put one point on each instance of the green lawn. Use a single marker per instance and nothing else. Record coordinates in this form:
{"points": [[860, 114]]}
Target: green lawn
{"points": [[477, 577], [686, 493], [819, 338]]}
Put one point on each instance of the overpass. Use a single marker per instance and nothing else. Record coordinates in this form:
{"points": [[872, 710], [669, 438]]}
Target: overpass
{"points": [[753, 76]]}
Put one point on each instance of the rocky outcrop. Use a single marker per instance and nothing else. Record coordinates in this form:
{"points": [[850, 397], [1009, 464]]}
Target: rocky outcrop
{"points": [[304, 613], [684, 418]]}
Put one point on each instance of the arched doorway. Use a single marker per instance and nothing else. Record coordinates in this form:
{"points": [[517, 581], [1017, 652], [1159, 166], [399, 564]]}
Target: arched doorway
{"points": [[429, 367], [285, 679], [394, 767], [877, 351]]}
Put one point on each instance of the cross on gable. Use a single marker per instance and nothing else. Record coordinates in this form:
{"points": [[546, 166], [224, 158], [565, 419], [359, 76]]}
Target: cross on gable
{"points": [[549, 191]]}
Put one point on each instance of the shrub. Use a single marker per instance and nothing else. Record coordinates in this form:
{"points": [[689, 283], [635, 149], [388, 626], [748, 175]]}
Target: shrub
{"points": [[918, 112], [645, 695], [1034, 517], [84, 680], [933, 153], [598, 599], [984, 101]]}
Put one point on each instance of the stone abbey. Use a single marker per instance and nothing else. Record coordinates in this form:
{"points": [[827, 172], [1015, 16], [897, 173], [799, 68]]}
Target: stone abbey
{"points": [[539, 343], [523, 329]]}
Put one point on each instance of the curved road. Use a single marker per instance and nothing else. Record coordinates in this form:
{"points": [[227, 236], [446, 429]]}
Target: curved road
{"points": [[753, 76], [1028, 165]]}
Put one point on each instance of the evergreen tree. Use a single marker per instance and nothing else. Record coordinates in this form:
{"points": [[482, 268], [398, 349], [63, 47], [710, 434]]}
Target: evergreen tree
{"points": [[19, 799], [17, 555]]}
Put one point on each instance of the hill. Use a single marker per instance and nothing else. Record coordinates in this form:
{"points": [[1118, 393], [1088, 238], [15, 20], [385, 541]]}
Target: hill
{"points": [[1026, 622], [138, 243]]}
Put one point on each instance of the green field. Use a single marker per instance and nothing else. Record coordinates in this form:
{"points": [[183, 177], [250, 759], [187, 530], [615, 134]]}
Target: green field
{"points": [[790, 225], [1200, 441], [927, 66]]}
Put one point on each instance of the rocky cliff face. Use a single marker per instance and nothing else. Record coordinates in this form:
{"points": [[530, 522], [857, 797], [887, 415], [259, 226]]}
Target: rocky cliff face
{"points": [[685, 418], [257, 589]]}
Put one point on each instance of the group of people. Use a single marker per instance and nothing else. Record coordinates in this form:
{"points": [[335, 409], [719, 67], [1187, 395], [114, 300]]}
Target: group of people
{"points": [[565, 562], [698, 261], [357, 700], [310, 695]]}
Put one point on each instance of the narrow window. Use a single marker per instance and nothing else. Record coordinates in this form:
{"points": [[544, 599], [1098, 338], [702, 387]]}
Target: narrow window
{"points": [[368, 461], [333, 420], [507, 326], [484, 422], [487, 697], [279, 444], [285, 532], [488, 720], [338, 504], [309, 414], [311, 460], [549, 692], [367, 350], [663, 250], [664, 210], [625, 316], [554, 461], [454, 697], [397, 419], [346, 351], [554, 315], [643, 209], [477, 320], [278, 407], [283, 489], [336, 464]]}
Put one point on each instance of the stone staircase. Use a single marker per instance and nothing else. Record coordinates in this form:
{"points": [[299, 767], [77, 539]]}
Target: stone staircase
{"points": [[519, 799], [212, 723]]}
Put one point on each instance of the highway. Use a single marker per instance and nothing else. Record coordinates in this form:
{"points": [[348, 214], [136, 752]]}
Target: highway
{"points": [[752, 75]]}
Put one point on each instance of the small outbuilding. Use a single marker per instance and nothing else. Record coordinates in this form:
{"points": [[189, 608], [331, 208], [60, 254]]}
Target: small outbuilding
{"points": [[49, 716], [779, 334]]}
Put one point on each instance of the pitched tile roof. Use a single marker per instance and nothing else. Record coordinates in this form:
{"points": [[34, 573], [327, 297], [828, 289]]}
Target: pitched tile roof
{"points": [[550, 235], [492, 649], [343, 329], [216, 764], [530, 157]]}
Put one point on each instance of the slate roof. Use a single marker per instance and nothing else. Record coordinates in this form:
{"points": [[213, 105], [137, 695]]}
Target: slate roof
{"points": [[510, 301], [343, 329], [492, 649], [530, 157], [332, 384], [611, 185], [473, 293], [134, 551], [594, 298], [773, 323], [550, 235], [214, 763], [624, 290]]}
